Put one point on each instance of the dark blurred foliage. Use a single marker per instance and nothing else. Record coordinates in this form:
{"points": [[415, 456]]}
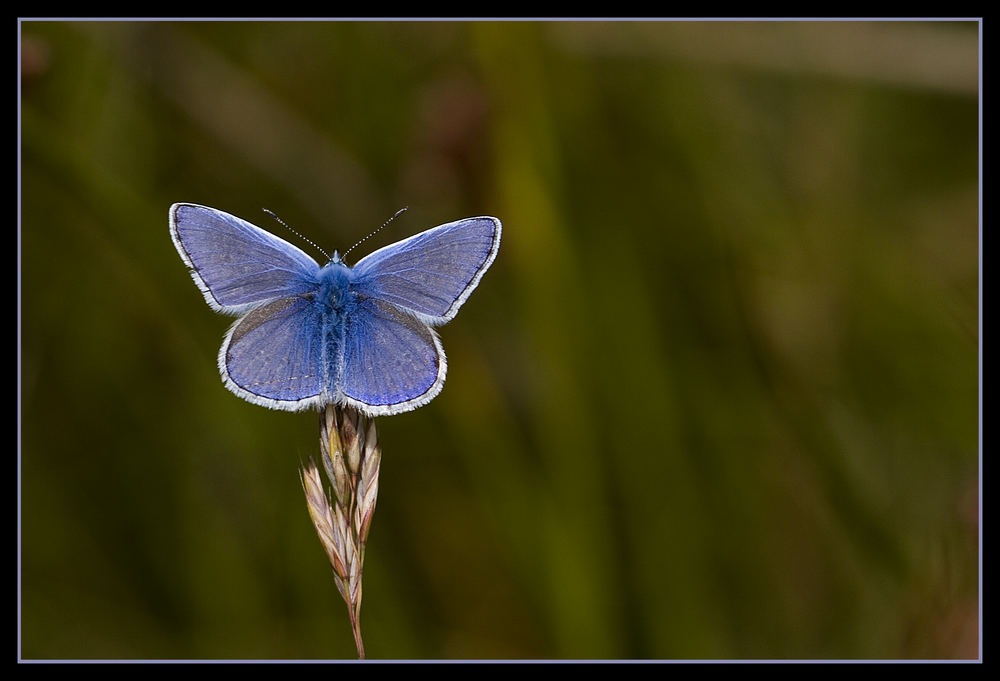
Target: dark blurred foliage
{"points": [[718, 396]]}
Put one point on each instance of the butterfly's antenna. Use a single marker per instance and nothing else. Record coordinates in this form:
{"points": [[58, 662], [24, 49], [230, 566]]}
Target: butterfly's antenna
{"points": [[285, 225], [398, 213]]}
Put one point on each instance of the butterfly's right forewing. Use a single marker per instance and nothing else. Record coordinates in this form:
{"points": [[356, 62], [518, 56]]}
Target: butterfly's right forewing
{"points": [[432, 273], [238, 265]]}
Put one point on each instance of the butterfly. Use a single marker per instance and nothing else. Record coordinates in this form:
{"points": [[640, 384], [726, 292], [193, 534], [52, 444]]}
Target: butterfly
{"points": [[309, 335]]}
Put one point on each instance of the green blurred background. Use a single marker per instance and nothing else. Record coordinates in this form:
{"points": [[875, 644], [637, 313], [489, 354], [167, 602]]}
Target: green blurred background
{"points": [[717, 397]]}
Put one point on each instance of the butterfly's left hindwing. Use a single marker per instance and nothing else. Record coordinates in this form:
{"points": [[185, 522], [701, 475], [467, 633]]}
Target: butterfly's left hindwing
{"points": [[275, 355]]}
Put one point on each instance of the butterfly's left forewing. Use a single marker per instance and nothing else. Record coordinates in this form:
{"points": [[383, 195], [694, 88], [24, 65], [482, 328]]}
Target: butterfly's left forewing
{"points": [[238, 265]]}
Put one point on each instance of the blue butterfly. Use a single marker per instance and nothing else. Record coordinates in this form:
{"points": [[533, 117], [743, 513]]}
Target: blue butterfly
{"points": [[307, 335]]}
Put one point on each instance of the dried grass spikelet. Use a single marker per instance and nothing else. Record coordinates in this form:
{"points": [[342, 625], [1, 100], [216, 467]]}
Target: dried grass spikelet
{"points": [[351, 457]]}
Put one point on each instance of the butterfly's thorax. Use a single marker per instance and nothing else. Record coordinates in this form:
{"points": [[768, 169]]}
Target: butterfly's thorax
{"points": [[334, 294]]}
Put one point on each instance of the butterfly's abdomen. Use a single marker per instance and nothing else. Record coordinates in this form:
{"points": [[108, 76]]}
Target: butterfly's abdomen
{"points": [[334, 302]]}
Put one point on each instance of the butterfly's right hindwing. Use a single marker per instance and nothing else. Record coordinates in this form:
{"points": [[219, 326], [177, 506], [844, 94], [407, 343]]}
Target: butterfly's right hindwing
{"points": [[392, 362]]}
